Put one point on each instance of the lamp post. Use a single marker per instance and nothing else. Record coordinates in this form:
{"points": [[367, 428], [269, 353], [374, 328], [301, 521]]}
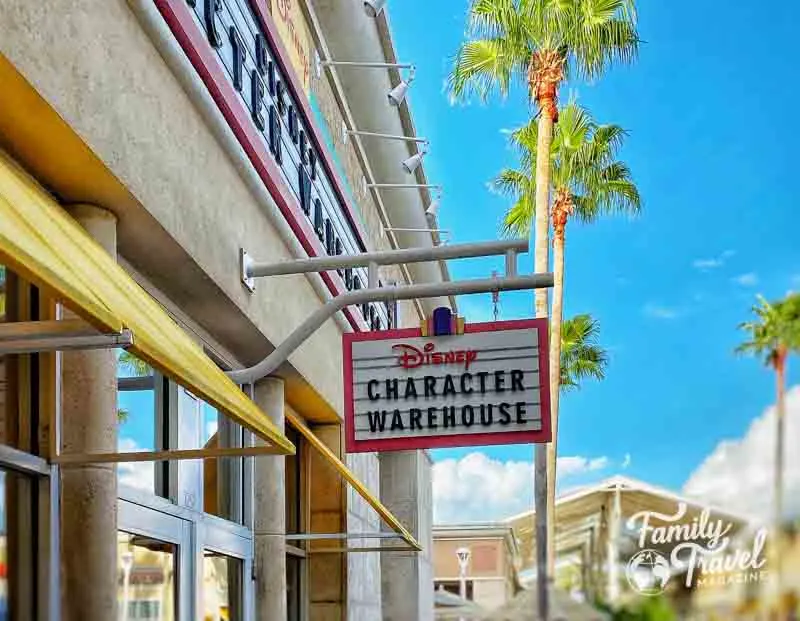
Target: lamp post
{"points": [[463, 555], [126, 558]]}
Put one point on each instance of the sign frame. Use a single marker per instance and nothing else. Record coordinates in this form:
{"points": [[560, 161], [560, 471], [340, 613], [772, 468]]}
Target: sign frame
{"points": [[543, 435]]}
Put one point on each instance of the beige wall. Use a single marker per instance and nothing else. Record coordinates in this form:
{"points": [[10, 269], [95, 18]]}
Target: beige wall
{"points": [[488, 557], [153, 160]]}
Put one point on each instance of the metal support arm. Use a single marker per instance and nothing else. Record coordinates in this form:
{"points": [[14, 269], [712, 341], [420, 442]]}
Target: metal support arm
{"points": [[380, 294], [251, 269]]}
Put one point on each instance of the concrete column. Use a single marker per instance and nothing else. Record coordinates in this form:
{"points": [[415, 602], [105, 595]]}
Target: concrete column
{"points": [[269, 513], [89, 493], [407, 578], [612, 592]]}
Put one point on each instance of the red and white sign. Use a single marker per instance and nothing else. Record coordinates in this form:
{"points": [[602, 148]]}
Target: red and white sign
{"points": [[487, 386]]}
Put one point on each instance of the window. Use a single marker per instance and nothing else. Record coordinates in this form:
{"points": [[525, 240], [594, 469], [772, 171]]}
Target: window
{"points": [[222, 587], [140, 413], [294, 483], [295, 557], [146, 569]]}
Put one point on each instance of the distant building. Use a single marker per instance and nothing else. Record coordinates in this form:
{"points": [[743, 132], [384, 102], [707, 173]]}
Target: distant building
{"points": [[491, 576]]}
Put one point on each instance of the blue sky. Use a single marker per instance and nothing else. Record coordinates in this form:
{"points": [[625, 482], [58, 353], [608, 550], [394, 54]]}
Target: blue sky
{"points": [[712, 154]]}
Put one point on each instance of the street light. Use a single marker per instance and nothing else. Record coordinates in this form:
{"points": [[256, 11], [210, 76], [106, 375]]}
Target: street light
{"points": [[126, 559], [463, 555]]}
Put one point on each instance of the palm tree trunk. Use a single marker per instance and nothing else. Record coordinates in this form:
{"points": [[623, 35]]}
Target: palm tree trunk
{"points": [[541, 265], [555, 384], [780, 377]]}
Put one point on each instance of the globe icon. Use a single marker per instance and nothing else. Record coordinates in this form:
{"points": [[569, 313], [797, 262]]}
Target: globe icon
{"points": [[648, 572]]}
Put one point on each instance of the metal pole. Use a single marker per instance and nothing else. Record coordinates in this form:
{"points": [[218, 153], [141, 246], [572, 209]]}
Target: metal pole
{"points": [[374, 65], [540, 515], [434, 186], [386, 257], [353, 132], [381, 294]]}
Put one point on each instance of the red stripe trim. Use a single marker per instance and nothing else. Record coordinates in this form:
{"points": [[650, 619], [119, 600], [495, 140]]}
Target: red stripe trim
{"points": [[466, 439], [200, 53]]}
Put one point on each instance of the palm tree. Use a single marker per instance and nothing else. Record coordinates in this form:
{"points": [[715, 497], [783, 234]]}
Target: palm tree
{"points": [[581, 356], [587, 182], [774, 334], [540, 43], [135, 368]]}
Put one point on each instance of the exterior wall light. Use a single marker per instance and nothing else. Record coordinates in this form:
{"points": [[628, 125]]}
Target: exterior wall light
{"points": [[398, 93], [411, 164], [373, 7]]}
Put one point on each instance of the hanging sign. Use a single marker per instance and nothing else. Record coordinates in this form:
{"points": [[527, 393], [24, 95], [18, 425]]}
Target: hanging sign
{"points": [[432, 387]]}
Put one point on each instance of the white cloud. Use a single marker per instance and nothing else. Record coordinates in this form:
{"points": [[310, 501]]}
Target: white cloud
{"points": [[713, 263], [478, 488], [750, 279], [627, 461], [738, 474], [139, 475], [657, 311]]}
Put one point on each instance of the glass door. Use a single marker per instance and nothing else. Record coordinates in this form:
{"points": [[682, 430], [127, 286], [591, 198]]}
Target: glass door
{"points": [[226, 564], [153, 565]]}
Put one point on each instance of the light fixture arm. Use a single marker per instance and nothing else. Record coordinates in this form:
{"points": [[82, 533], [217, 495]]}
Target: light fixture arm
{"points": [[369, 65], [354, 132], [433, 186]]}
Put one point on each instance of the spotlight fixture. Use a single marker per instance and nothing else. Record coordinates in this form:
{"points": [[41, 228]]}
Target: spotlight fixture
{"points": [[373, 7], [398, 93], [433, 209], [410, 164], [395, 95]]}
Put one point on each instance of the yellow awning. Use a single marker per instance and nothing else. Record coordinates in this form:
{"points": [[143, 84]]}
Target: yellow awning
{"points": [[352, 479], [44, 245]]}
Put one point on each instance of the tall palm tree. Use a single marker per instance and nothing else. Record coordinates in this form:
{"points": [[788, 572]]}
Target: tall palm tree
{"points": [[587, 182], [540, 43], [581, 356], [774, 334]]}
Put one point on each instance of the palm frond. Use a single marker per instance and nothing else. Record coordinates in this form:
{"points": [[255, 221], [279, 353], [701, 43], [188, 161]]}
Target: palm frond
{"points": [[776, 327], [581, 356], [132, 365]]}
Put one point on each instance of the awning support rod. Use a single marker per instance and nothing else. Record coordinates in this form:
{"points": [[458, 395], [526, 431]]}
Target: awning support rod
{"points": [[27, 337], [316, 536]]}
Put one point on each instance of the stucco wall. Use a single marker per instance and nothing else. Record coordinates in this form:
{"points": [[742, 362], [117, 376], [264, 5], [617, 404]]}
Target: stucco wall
{"points": [[363, 568], [407, 578], [186, 210]]}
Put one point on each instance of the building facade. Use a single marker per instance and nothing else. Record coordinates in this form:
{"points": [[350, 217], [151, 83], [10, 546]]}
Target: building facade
{"points": [[481, 559], [147, 146]]}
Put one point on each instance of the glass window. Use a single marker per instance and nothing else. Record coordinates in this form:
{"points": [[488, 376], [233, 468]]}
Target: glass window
{"points": [[222, 477], [137, 411], [146, 569], [294, 593], [294, 483], [222, 587]]}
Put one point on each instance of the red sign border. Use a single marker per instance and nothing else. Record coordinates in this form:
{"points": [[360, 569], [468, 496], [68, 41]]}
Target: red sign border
{"points": [[452, 441]]}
